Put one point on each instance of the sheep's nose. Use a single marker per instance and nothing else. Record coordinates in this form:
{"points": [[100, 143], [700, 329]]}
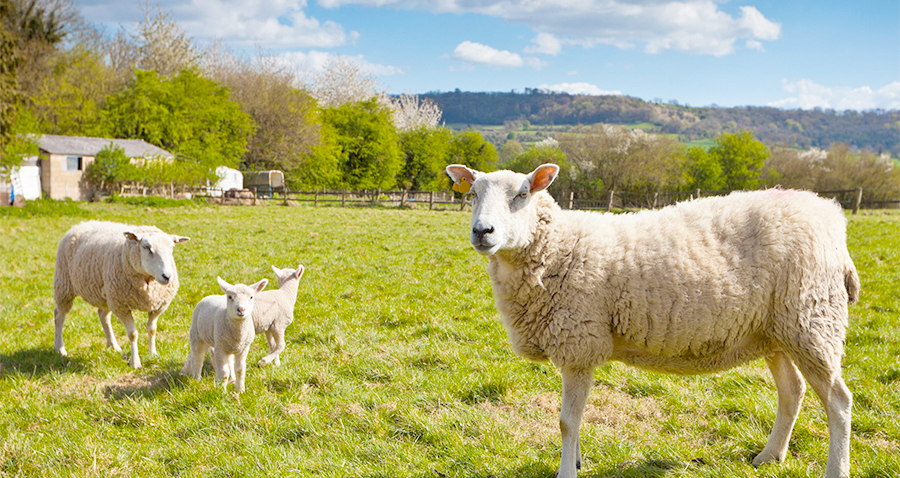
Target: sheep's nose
{"points": [[480, 232], [166, 278], [240, 310]]}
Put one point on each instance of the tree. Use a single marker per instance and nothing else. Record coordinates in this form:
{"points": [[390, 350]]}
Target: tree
{"points": [[510, 150], [543, 153], [704, 170], [110, 169], [370, 157], [742, 158], [343, 81], [410, 113], [162, 45], [188, 115], [425, 154], [470, 148]]}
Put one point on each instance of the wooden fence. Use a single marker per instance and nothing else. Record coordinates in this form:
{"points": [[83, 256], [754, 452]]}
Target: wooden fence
{"points": [[851, 199]]}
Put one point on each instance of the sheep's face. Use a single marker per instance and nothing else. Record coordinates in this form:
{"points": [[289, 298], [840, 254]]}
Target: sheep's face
{"points": [[157, 258], [503, 213], [239, 298]]}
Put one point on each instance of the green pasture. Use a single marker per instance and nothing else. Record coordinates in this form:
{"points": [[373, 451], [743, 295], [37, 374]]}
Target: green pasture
{"points": [[396, 365]]}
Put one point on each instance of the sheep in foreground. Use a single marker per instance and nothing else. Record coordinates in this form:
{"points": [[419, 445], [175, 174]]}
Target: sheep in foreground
{"points": [[275, 311], [698, 287], [225, 323], [117, 268]]}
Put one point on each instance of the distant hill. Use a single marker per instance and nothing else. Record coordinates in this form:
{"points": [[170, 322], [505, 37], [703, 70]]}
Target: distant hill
{"points": [[876, 130]]}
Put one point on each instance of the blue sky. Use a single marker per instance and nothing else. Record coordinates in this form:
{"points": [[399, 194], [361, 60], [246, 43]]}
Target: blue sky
{"points": [[790, 54]]}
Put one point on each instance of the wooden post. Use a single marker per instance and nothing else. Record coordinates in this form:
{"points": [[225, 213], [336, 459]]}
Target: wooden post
{"points": [[403, 197], [316, 198], [430, 200], [343, 198], [858, 200], [377, 196], [655, 199], [612, 195], [462, 203], [571, 199], [285, 192]]}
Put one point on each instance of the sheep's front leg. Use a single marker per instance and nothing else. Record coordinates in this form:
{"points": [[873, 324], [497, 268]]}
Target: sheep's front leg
{"points": [[221, 363], [576, 386], [111, 341], [151, 331], [131, 330], [240, 367], [276, 346]]}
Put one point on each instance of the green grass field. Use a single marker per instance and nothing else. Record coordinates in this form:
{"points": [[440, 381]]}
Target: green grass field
{"points": [[396, 365]]}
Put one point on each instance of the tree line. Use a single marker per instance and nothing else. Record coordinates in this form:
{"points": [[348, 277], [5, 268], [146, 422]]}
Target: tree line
{"points": [[876, 130]]}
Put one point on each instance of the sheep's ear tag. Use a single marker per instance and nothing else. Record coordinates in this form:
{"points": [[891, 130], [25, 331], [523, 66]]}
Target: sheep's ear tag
{"points": [[462, 186]]}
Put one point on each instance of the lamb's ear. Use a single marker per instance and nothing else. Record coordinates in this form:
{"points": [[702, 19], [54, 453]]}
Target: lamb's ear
{"points": [[259, 286], [179, 239], [132, 236], [542, 177], [299, 271], [224, 285], [277, 271], [462, 177]]}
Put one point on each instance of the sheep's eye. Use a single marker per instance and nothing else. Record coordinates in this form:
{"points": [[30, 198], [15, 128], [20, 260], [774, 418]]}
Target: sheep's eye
{"points": [[523, 195]]}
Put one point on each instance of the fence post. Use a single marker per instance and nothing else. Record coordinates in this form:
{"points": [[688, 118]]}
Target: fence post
{"points": [[377, 196], [403, 197], [655, 198], [430, 200], [612, 195], [462, 203], [316, 198], [571, 199], [859, 192], [698, 193], [285, 191]]}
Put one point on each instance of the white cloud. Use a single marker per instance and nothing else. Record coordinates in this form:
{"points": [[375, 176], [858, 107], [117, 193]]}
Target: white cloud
{"points": [[691, 26], [275, 24], [472, 52], [545, 43], [578, 89], [755, 45], [806, 94], [312, 62]]}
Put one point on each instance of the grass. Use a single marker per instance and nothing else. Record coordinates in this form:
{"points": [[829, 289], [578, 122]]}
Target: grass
{"points": [[396, 365]]}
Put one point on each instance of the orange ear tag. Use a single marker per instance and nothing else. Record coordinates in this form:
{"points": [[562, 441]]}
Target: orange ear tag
{"points": [[462, 186]]}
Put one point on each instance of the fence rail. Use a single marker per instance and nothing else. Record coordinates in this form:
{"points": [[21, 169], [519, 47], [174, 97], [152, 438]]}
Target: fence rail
{"points": [[851, 199]]}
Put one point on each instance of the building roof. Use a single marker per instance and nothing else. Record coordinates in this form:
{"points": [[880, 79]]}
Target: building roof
{"points": [[85, 146]]}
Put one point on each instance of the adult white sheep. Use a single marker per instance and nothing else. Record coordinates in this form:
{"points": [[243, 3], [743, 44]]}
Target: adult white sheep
{"points": [[697, 287], [117, 268], [224, 323], [275, 311]]}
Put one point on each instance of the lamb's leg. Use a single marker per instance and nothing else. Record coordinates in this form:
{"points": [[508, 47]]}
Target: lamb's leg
{"points": [[111, 341], [576, 386], [63, 306], [276, 346], [193, 366], [240, 367], [790, 387], [128, 321], [220, 361], [837, 400], [151, 331]]}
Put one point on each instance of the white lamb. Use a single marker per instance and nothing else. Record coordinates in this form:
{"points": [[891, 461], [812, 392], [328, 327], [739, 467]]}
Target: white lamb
{"points": [[697, 287], [275, 311], [117, 268], [225, 323]]}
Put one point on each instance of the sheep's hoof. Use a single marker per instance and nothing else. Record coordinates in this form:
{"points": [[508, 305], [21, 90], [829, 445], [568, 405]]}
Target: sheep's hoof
{"points": [[765, 458], [262, 363], [62, 351]]}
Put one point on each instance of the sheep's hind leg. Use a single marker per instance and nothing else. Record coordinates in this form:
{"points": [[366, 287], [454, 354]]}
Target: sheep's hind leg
{"points": [[63, 306], [151, 331], [790, 387], [837, 400], [576, 386], [276, 346], [193, 366], [111, 341]]}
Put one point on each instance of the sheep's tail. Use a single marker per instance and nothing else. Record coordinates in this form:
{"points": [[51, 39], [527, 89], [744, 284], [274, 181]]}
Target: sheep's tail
{"points": [[851, 282]]}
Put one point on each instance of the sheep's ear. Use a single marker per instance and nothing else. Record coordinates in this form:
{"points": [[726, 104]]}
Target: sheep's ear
{"points": [[132, 236], [462, 177], [277, 271], [179, 239], [299, 271], [224, 285], [542, 177], [259, 286]]}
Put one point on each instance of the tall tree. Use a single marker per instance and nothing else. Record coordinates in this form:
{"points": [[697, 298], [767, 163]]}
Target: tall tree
{"points": [[370, 155], [425, 153], [471, 149], [188, 115], [742, 158]]}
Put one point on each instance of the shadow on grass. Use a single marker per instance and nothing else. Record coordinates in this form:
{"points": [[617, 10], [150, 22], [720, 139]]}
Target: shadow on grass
{"points": [[39, 362], [650, 468], [136, 386]]}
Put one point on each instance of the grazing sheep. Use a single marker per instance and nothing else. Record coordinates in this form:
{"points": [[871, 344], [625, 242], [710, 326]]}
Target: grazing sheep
{"points": [[117, 268], [701, 286], [224, 322], [275, 311]]}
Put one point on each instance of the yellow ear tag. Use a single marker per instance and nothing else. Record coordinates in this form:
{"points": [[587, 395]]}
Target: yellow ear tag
{"points": [[462, 186]]}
